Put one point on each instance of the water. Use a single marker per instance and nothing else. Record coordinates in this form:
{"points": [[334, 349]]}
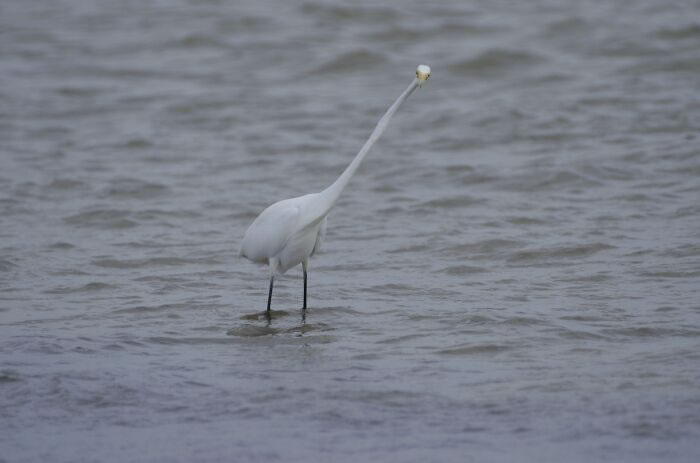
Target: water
{"points": [[514, 273]]}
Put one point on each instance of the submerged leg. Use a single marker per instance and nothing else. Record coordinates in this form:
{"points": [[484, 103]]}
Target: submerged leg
{"points": [[269, 296], [303, 265]]}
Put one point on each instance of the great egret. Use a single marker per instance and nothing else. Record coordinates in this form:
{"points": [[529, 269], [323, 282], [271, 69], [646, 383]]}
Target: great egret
{"points": [[288, 232]]}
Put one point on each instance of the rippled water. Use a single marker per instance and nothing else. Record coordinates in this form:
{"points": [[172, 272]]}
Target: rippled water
{"points": [[514, 273]]}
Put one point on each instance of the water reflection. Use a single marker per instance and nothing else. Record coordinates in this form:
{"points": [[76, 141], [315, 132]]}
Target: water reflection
{"points": [[269, 318]]}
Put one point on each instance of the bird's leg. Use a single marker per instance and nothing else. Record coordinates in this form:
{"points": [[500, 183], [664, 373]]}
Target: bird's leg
{"points": [[303, 265], [269, 296]]}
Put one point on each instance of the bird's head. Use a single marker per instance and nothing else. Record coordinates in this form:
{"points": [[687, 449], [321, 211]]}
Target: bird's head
{"points": [[422, 73]]}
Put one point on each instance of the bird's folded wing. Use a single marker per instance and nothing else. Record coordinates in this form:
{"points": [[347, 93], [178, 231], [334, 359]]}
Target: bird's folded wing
{"points": [[270, 232]]}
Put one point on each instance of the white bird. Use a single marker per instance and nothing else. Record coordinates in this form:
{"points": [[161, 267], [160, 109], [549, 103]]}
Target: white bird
{"points": [[290, 231]]}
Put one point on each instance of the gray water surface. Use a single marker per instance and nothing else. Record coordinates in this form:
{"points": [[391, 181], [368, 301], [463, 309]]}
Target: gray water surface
{"points": [[513, 274]]}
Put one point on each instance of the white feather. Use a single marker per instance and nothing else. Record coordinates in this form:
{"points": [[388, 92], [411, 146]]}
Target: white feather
{"points": [[288, 232]]}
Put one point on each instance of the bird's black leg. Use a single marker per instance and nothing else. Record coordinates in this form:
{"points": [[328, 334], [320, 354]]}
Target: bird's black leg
{"points": [[269, 296], [304, 267], [304, 289]]}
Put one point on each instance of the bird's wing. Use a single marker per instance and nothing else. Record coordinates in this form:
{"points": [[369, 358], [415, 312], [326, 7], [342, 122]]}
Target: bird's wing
{"points": [[269, 233]]}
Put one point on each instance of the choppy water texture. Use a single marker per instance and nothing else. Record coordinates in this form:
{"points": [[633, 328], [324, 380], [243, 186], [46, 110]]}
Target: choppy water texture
{"points": [[512, 275]]}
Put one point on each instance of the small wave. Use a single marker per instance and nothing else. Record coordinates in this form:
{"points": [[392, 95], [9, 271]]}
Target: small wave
{"points": [[672, 274], [392, 210], [450, 202], [151, 309], [689, 211], [399, 33], [462, 270], [102, 218], [112, 395], [170, 341], [137, 144], [401, 339], [39, 346], [235, 24], [241, 334], [392, 289], [496, 60], [6, 265], [248, 331], [462, 28], [689, 31], [579, 334], [521, 220], [607, 172], [66, 185], [133, 188], [82, 91], [61, 245], [685, 250], [409, 249], [470, 320], [566, 27], [265, 315], [633, 198], [563, 252], [354, 13], [476, 349], [90, 287], [150, 262], [584, 318], [666, 308], [358, 61], [159, 215], [195, 40], [339, 310], [307, 328], [665, 65], [523, 321], [137, 71], [553, 181], [8, 376], [408, 34], [592, 278], [9, 207], [651, 332], [490, 247]]}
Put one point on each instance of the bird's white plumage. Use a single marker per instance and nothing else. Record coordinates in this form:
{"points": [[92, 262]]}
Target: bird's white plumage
{"points": [[285, 233], [288, 232]]}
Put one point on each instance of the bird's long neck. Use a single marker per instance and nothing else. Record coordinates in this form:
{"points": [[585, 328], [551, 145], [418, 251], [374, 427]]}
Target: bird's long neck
{"points": [[330, 195]]}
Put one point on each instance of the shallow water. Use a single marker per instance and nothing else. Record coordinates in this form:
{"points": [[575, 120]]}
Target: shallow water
{"points": [[514, 273]]}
